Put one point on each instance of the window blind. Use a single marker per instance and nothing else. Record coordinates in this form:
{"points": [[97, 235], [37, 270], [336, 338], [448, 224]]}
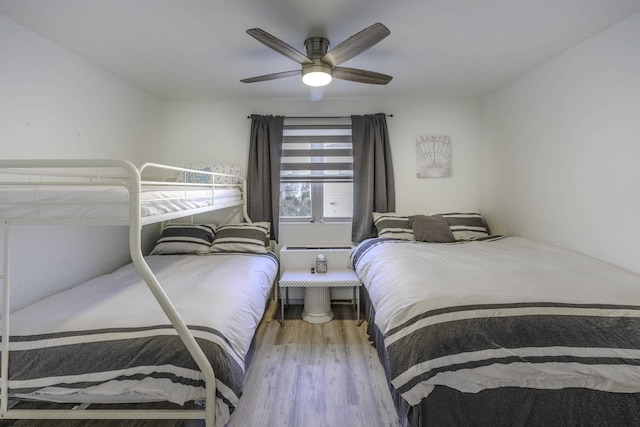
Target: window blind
{"points": [[317, 153]]}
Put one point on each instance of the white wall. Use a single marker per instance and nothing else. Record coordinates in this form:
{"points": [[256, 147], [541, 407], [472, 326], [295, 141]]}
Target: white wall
{"points": [[54, 104], [219, 131], [562, 149]]}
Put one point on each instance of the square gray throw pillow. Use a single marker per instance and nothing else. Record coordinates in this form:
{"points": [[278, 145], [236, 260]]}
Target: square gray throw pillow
{"points": [[433, 229]]}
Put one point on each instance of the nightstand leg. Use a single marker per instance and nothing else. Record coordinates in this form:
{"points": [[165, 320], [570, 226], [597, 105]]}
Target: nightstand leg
{"points": [[358, 322], [282, 307]]}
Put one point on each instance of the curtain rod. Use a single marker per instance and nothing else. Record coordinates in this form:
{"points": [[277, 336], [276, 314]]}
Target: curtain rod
{"points": [[321, 117]]}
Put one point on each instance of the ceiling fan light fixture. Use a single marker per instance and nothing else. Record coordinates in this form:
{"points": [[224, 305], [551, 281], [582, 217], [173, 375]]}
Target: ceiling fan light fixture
{"points": [[316, 75]]}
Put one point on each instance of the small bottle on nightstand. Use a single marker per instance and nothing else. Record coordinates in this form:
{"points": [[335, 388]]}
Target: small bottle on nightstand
{"points": [[321, 263]]}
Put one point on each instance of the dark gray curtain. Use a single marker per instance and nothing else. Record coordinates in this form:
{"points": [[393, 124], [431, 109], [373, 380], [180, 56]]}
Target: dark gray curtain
{"points": [[263, 170], [373, 184]]}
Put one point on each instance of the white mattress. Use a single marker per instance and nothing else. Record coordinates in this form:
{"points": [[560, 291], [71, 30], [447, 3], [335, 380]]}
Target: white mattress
{"points": [[89, 202]]}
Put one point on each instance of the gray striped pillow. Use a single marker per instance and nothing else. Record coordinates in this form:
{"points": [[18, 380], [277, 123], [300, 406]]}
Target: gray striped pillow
{"points": [[393, 225], [185, 239], [244, 237], [466, 226]]}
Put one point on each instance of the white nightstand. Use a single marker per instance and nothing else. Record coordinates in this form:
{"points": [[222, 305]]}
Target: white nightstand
{"points": [[317, 295]]}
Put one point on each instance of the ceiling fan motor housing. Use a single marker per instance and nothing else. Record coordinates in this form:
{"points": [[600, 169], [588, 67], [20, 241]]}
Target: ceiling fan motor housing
{"points": [[317, 48]]}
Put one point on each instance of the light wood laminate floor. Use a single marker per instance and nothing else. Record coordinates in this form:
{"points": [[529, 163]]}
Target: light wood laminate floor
{"points": [[314, 375], [299, 375]]}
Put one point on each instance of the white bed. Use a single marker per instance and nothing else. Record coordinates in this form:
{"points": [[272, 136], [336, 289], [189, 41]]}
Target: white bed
{"points": [[503, 331], [115, 192], [108, 341]]}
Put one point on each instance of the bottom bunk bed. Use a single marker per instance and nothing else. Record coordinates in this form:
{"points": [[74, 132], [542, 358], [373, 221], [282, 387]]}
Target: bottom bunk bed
{"points": [[503, 332], [108, 341]]}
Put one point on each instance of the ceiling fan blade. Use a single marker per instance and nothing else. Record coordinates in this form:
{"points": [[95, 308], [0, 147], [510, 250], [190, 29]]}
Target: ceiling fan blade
{"points": [[273, 76], [315, 93], [360, 76], [356, 44], [279, 46]]}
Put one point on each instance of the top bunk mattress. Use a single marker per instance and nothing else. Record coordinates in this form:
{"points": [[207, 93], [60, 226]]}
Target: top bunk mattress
{"points": [[109, 202]]}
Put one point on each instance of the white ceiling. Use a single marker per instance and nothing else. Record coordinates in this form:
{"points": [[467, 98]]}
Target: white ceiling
{"points": [[198, 49]]}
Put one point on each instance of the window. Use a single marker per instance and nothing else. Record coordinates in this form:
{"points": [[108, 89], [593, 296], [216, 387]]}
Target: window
{"points": [[316, 178]]}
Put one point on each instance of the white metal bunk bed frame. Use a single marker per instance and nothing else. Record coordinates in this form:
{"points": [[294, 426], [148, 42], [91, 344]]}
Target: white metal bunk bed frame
{"points": [[133, 182]]}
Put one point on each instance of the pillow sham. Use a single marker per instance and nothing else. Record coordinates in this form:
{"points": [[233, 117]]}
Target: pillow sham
{"points": [[198, 178], [433, 229], [466, 226], [185, 239], [243, 237], [228, 170], [393, 225]]}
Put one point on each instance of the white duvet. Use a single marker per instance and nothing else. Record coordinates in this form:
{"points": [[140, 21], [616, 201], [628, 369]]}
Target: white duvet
{"points": [[406, 279], [503, 313]]}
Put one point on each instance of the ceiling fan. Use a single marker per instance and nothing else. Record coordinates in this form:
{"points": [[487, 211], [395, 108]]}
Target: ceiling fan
{"points": [[320, 64]]}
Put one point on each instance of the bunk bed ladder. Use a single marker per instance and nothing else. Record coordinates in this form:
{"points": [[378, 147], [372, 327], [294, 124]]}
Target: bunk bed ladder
{"points": [[135, 248]]}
